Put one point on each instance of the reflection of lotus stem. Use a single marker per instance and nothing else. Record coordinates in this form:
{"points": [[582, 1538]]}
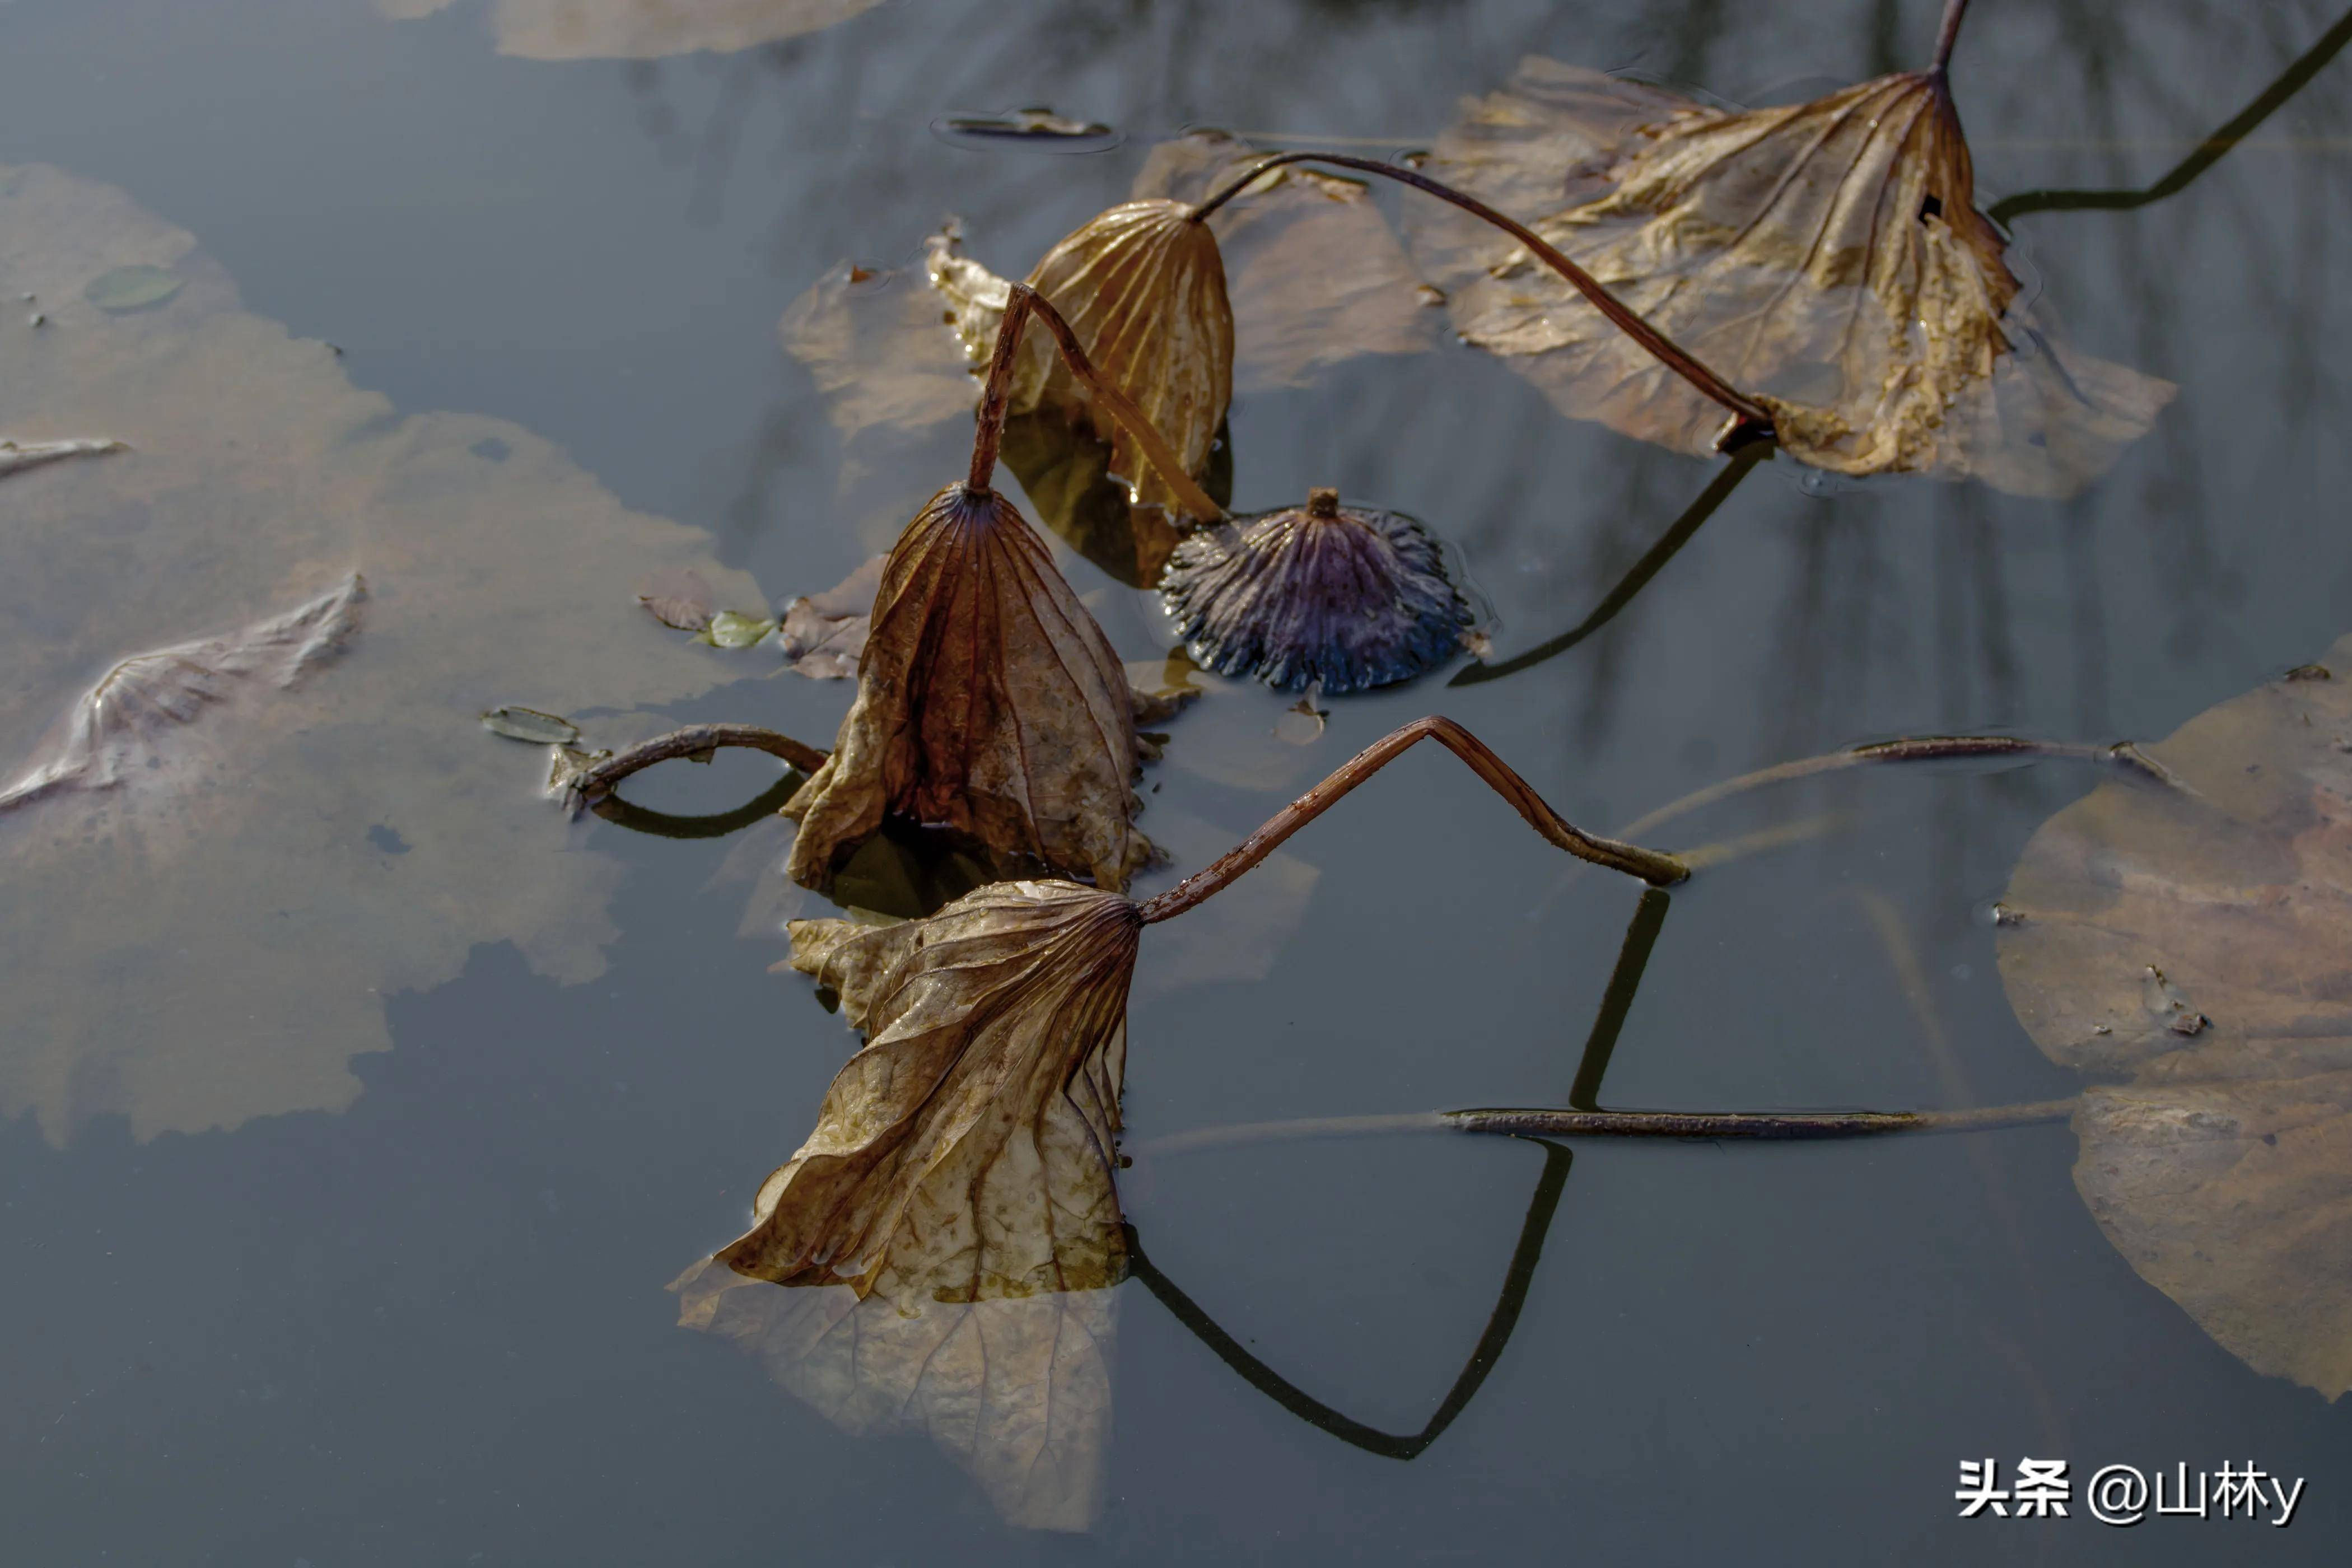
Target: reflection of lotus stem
{"points": [[1946, 35], [1915, 749], [1024, 302], [1634, 861], [1753, 423], [1763, 1126], [595, 782]]}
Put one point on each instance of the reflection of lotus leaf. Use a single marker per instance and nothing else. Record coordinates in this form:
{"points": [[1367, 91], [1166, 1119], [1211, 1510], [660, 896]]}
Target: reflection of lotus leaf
{"points": [[2198, 944], [193, 956], [643, 29], [1826, 256]]}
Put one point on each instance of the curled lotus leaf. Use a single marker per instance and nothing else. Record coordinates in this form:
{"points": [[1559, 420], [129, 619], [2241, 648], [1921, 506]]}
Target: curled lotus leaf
{"points": [[989, 703], [966, 1153], [216, 937], [1827, 257], [643, 29], [1016, 1390], [2190, 950], [1341, 596]]}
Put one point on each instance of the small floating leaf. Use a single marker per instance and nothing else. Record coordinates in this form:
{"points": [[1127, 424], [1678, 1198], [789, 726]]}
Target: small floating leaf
{"points": [[733, 629], [1025, 129], [823, 635], [682, 600], [132, 288], [518, 723], [17, 456]]}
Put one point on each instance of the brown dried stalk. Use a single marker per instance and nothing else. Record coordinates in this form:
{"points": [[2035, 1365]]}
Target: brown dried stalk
{"points": [[595, 783], [1022, 303], [1750, 423], [1659, 870]]}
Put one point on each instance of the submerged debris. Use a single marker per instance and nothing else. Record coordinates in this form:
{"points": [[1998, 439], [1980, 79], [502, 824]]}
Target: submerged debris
{"points": [[1340, 596]]}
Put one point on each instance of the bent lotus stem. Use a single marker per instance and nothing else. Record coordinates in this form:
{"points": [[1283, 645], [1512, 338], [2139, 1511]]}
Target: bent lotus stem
{"points": [[1649, 864], [1913, 749], [1758, 1126], [1751, 421], [1022, 303], [1947, 34], [696, 740]]}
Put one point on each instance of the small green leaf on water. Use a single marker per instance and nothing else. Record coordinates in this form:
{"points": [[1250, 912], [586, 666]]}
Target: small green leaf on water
{"points": [[131, 288], [531, 724], [731, 630]]}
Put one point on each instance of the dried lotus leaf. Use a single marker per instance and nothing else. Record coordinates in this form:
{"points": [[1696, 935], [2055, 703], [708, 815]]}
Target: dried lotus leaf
{"points": [[1343, 597], [989, 703], [966, 1153], [1827, 257], [2196, 943], [823, 635]]}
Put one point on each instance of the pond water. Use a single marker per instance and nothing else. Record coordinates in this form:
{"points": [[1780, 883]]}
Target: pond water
{"points": [[388, 1285]]}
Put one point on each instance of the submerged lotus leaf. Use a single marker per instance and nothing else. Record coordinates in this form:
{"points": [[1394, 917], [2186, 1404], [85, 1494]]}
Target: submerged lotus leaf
{"points": [[966, 1153], [1343, 597], [643, 29], [2196, 944], [1016, 1390], [1827, 257], [215, 938], [989, 703]]}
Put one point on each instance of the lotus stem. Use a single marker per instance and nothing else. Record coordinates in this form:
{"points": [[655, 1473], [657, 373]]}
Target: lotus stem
{"points": [[1753, 423], [1022, 303], [1649, 864], [1756, 1126], [1913, 749], [1948, 34], [593, 783]]}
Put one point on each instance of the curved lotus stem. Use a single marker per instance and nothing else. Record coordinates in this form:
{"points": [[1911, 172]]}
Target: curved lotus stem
{"points": [[592, 783], [1022, 303], [1946, 35], [1751, 421], [1659, 870]]}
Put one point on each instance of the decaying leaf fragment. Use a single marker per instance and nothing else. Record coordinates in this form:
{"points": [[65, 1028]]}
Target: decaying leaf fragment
{"points": [[989, 703], [15, 457], [1343, 597], [823, 635], [2192, 947], [1826, 257], [643, 29]]}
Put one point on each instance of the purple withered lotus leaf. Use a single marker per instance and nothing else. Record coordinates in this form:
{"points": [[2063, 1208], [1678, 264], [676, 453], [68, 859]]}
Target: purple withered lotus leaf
{"points": [[1345, 597], [989, 703]]}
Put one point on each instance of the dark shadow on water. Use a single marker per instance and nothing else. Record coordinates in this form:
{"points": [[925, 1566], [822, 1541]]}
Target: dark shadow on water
{"points": [[663, 825], [2209, 151]]}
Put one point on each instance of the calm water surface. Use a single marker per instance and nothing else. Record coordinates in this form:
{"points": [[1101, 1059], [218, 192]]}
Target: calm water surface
{"points": [[431, 1327]]}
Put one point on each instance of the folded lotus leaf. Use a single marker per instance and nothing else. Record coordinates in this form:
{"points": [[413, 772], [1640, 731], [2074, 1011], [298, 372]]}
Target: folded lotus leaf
{"points": [[1016, 1390], [643, 29], [1826, 257], [295, 837], [989, 703], [966, 1153], [1344, 598], [2198, 944]]}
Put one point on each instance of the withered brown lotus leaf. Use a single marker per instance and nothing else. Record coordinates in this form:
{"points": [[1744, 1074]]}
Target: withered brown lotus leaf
{"points": [[823, 635], [1826, 257], [989, 703], [1345, 597], [643, 29], [965, 1153], [1017, 1391], [2193, 949]]}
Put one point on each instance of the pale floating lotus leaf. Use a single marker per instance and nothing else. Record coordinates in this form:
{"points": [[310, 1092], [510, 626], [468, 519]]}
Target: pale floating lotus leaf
{"points": [[15, 457], [732, 630], [1016, 1390], [2198, 942], [1143, 287], [823, 635], [989, 703], [966, 1153], [1826, 257], [519, 724], [193, 955], [1314, 272], [1343, 597], [643, 29], [129, 730]]}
